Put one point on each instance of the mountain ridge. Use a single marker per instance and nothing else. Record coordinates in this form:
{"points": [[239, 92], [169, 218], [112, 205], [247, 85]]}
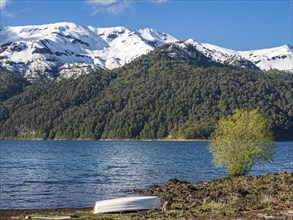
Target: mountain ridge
{"points": [[171, 92], [67, 49]]}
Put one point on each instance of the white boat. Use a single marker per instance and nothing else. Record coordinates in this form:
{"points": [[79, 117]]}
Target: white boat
{"points": [[127, 204]]}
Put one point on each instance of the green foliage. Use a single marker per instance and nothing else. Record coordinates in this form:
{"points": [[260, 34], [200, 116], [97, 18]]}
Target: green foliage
{"points": [[11, 84], [240, 140], [155, 96]]}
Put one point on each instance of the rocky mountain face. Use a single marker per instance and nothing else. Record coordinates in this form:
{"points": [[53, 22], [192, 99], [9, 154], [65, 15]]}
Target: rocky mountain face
{"points": [[64, 50]]}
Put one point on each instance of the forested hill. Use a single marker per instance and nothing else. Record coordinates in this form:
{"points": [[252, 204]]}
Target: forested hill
{"points": [[170, 92]]}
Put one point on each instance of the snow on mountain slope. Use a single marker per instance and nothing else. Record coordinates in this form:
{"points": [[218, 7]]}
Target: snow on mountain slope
{"points": [[274, 58], [63, 50], [67, 49], [45, 49], [280, 58], [124, 44]]}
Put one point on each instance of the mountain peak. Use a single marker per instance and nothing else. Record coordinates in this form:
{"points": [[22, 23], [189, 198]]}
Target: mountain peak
{"points": [[67, 49], [288, 46], [62, 48]]}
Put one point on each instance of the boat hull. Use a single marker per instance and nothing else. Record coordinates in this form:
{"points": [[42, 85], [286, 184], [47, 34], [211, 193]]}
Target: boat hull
{"points": [[127, 204]]}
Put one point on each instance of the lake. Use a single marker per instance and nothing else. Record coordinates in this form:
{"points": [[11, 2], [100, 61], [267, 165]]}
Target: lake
{"points": [[55, 174]]}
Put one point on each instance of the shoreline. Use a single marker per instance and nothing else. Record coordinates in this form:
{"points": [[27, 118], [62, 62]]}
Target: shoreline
{"points": [[246, 197], [108, 140], [6, 214], [122, 140]]}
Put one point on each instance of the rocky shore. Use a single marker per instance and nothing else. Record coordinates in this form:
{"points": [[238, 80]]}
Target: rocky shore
{"points": [[250, 197]]}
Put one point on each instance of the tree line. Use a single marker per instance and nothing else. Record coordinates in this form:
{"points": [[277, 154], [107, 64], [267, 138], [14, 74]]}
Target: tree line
{"points": [[155, 96]]}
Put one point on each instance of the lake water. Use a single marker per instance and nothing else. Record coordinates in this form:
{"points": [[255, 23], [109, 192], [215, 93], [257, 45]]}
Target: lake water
{"points": [[55, 174]]}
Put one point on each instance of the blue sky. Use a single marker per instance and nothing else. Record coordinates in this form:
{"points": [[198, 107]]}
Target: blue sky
{"points": [[239, 25]]}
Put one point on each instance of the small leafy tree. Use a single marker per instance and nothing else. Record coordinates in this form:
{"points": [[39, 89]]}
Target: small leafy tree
{"points": [[240, 140]]}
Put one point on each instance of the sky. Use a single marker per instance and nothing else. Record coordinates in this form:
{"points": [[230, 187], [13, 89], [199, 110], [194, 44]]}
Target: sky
{"points": [[238, 24]]}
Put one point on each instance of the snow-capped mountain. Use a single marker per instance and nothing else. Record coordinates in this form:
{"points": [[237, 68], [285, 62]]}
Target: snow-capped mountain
{"points": [[67, 49], [280, 58], [63, 50]]}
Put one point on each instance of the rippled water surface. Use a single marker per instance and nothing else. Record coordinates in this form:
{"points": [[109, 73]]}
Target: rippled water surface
{"points": [[48, 174]]}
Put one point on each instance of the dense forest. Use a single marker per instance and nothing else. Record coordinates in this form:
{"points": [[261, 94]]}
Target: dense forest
{"points": [[169, 92]]}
